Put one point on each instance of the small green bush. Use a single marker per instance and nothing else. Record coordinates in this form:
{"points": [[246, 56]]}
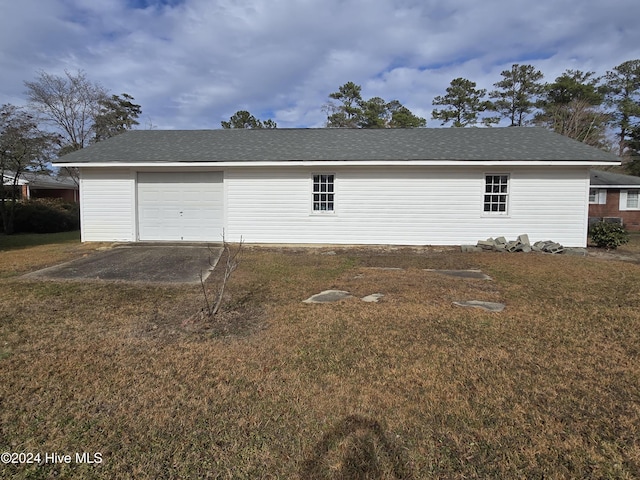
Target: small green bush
{"points": [[609, 235], [46, 216]]}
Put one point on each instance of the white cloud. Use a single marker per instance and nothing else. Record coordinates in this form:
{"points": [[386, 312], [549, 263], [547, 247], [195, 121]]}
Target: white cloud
{"points": [[193, 63]]}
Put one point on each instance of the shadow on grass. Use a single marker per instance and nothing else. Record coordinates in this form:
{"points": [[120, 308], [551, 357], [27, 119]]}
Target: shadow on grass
{"points": [[23, 240], [356, 448]]}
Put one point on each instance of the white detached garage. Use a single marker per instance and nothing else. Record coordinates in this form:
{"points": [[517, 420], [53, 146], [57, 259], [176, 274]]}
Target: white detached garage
{"points": [[341, 186]]}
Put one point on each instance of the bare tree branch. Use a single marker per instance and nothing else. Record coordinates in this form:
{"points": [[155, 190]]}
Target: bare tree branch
{"points": [[231, 264], [70, 103], [230, 267]]}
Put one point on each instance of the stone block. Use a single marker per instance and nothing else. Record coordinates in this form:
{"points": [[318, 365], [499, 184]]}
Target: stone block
{"points": [[500, 241], [554, 248], [373, 298], [524, 239], [486, 244], [470, 248], [512, 246]]}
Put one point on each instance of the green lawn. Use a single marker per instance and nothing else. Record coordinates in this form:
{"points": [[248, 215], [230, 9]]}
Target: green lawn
{"points": [[411, 387], [22, 240]]}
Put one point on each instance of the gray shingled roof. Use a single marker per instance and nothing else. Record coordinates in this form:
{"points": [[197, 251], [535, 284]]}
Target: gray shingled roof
{"points": [[43, 180], [600, 178], [244, 145]]}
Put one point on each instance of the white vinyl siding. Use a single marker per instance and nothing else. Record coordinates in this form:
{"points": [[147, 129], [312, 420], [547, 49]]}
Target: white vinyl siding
{"points": [[406, 206], [107, 205], [550, 204], [398, 205]]}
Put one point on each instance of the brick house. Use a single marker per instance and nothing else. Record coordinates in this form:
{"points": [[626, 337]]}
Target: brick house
{"points": [[40, 185], [615, 196]]}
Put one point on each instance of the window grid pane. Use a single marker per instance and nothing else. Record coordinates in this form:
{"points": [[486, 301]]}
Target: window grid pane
{"points": [[632, 199], [323, 196], [496, 193]]}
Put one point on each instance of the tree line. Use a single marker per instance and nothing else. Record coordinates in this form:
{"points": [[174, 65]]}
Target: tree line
{"points": [[69, 112], [64, 114], [576, 104]]}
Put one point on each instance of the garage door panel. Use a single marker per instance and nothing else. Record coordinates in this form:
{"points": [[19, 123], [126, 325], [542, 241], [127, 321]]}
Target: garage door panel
{"points": [[180, 206]]}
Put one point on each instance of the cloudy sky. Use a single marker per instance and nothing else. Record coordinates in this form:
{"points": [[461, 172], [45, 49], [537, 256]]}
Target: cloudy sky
{"points": [[193, 63]]}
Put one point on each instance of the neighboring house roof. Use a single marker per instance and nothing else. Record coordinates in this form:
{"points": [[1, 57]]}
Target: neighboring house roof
{"points": [[432, 145], [41, 180], [613, 180], [8, 179]]}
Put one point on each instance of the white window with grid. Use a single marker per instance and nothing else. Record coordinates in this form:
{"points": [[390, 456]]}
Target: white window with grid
{"points": [[323, 197], [630, 199], [597, 196], [496, 194]]}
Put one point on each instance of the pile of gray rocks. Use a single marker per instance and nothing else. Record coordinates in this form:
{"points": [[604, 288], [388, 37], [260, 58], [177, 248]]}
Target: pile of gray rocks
{"points": [[521, 244]]}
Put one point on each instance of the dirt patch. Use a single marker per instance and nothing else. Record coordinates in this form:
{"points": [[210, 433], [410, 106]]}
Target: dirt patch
{"points": [[443, 257], [616, 255], [227, 323], [629, 252], [241, 312]]}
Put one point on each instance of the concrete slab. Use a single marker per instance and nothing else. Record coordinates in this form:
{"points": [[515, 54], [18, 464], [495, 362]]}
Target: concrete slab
{"points": [[385, 268], [489, 306], [373, 298], [138, 263], [475, 274], [328, 296]]}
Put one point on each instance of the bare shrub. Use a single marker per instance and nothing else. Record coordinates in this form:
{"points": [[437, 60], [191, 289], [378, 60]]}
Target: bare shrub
{"points": [[213, 305]]}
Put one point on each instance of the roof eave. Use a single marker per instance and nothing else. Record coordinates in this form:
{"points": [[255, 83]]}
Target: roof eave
{"points": [[635, 186], [337, 163]]}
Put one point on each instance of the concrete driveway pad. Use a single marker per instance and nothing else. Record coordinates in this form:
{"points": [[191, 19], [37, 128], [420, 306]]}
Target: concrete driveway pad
{"points": [[139, 263]]}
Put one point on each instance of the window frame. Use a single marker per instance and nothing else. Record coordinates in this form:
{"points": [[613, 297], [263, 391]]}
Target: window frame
{"points": [[600, 195], [507, 194], [624, 199], [319, 192]]}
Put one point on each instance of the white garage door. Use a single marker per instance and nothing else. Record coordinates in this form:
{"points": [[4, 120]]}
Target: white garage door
{"points": [[180, 206]]}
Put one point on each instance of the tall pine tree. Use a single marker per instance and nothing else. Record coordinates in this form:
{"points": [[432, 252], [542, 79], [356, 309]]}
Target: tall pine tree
{"points": [[623, 95], [517, 93], [464, 104]]}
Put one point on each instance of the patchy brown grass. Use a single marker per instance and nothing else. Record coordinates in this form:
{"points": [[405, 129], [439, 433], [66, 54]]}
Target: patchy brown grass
{"points": [[411, 387], [24, 253]]}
